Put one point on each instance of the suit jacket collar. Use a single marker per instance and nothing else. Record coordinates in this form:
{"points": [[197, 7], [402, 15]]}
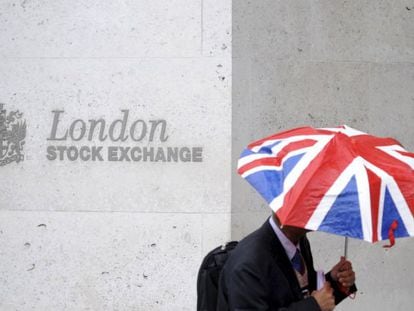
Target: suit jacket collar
{"points": [[281, 258]]}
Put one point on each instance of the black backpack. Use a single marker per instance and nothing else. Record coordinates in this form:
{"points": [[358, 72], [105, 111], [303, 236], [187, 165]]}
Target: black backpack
{"points": [[209, 274]]}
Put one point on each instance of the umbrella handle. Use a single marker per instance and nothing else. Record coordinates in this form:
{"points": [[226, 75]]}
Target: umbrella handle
{"points": [[341, 288], [346, 247]]}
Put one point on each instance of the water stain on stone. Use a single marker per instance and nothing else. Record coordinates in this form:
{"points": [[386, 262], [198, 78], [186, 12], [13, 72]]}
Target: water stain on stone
{"points": [[187, 237], [23, 3], [32, 267]]}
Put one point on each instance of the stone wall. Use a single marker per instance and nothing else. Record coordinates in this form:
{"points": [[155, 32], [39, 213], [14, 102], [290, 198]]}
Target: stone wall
{"points": [[118, 219]]}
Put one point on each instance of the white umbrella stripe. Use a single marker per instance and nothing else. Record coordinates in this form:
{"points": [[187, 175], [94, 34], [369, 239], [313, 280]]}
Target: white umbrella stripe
{"points": [[348, 131], [397, 197], [381, 210], [393, 151], [254, 157], [286, 141]]}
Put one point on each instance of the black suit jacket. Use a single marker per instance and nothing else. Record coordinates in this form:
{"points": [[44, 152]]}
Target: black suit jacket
{"points": [[259, 276]]}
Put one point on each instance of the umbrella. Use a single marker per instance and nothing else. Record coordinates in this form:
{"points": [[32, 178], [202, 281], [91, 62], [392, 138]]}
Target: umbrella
{"points": [[337, 180]]}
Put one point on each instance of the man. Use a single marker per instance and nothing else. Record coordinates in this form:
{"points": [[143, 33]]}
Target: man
{"points": [[272, 269]]}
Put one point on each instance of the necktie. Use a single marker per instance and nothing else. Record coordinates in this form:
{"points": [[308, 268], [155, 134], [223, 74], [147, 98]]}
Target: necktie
{"points": [[297, 262]]}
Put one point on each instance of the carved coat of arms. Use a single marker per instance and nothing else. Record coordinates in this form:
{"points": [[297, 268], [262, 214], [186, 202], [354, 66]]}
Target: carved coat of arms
{"points": [[12, 135]]}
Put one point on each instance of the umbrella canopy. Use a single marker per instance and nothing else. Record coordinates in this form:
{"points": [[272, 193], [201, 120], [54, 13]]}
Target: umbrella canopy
{"points": [[338, 180]]}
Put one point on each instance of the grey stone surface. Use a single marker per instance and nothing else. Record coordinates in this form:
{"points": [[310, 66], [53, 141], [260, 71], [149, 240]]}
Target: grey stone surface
{"points": [[216, 28], [98, 261], [267, 28], [392, 31], [321, 30], [378, 31], [341, 30], [291, 94], [391, 101], [246, 222], [100, 28], [216, 230]]}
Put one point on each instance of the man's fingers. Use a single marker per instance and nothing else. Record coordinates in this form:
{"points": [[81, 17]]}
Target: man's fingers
{"points": [[341, 261], [347, 279], [344, 274], [345, 265]]}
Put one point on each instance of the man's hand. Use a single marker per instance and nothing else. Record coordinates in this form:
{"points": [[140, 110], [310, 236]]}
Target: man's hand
{"points": [[324, 297], [343, 274]]}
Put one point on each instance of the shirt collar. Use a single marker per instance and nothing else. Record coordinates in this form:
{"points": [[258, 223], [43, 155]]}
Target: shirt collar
{"points": [[287, 244]]}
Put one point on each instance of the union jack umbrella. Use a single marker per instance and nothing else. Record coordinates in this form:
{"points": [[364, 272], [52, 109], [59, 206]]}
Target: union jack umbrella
{"points": [[337, 180]]}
